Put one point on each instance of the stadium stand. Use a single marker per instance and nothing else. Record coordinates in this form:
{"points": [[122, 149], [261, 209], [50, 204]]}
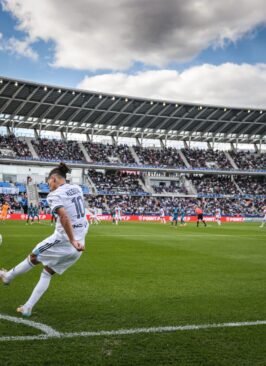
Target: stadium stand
{"points": [[58, 149], [163, 157], [214, 184], [200, 158], [11, 147], [249, 160], [107, 153], [113, 182], [196, 172]]}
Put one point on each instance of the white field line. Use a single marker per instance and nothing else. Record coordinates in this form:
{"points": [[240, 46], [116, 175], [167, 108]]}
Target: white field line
{"points": [[44, 328], [50, 333]]}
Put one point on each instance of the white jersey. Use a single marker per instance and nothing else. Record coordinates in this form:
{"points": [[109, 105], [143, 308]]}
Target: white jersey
{"points": [[69, 196], [118, 211], [218, 213], [162, 212], [95, 212]]}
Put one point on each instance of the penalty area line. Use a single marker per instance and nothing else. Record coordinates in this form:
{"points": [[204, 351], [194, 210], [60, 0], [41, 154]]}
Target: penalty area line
{"points": [[50, 333]]}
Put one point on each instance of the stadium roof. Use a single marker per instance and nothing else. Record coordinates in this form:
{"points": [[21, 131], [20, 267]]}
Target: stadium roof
{"points": [[25, 104]]}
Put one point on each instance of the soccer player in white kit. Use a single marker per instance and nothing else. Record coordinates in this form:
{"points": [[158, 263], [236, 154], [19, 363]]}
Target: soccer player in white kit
{"points": [[264, 216], [94, 216], [218, 215], [117, 214], [162, 216], [64, 247]]}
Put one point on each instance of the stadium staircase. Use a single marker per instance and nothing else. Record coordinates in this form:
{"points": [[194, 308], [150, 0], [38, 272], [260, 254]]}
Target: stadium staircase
{"points": [[237, 186], [230, 159], [143, 185], [182, 156], [30, 146], [85, 153], [135, 156], [91, 185], [146, 182], [189, 186]]}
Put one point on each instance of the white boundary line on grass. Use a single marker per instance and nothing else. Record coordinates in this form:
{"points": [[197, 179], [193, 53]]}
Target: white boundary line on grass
{"points": [[50, 333]]}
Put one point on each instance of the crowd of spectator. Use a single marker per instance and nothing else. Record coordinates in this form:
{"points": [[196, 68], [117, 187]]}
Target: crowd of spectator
{"points": [[107, 153], [12, 200], [214, 184], [199, 158], [116, 181], [164, 157], [173, 187], [249, 160], [12, 147], [251, 185], [58, 149], [147, 205]]}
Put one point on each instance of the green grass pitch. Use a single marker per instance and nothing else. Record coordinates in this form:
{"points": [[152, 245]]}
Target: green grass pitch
{"points": [[139, 275]]}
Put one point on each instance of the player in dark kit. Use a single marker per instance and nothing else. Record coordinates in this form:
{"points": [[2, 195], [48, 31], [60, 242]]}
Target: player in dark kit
{"points": [[31, 213], [175, 216]]}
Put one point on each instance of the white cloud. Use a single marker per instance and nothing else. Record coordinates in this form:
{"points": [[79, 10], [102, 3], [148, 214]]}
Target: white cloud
{"points": [[227, 84], [21, 48], [100, 34]]}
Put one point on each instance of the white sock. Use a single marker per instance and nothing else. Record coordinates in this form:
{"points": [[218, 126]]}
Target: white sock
{"points": [[21, 268], [39, 289]]}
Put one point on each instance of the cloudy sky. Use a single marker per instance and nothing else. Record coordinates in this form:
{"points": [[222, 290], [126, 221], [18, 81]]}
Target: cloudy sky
{"points": [[202, 51]]}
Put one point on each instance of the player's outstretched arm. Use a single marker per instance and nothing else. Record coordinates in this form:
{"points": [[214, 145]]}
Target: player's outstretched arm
{"points": [[66, 223]]}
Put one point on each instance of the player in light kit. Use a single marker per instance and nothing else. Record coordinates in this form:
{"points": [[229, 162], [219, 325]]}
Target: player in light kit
{"points": [[94, 218], [182, 217], [218, 215], [64, 247], [118, 214], [264, 216], [162, 216]]}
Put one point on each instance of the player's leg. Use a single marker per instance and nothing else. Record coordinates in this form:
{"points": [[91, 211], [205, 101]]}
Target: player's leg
{"points": [[263, 221], [37, 292], [23, 267]]}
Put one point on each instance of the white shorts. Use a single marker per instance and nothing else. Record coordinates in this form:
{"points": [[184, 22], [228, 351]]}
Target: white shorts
{"points": [[57, 253], [118, 217], [218, 217]]}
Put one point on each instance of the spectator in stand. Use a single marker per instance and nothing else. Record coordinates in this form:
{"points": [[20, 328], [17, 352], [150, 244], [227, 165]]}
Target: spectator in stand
{"points": [[213, 184], [249, 160], [58, 149], [199, 158], [164, 157], [116, 181], [251, 185], [12, 147], [107, 153]]}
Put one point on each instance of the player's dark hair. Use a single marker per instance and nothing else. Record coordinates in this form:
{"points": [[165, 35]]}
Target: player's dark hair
{"points": [[62, 169]]}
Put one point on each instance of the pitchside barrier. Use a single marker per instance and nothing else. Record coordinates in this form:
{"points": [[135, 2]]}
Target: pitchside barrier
{"points": [[148, 218]]}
